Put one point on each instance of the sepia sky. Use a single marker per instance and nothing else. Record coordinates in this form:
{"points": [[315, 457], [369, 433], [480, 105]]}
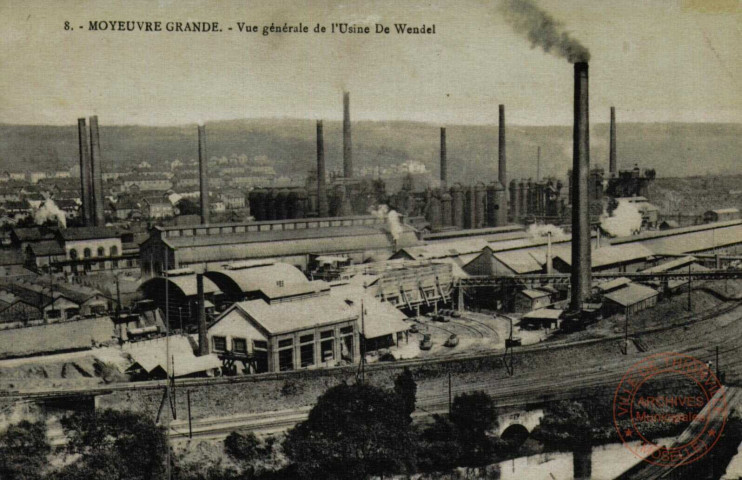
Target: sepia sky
{"points": [[655, 61]]}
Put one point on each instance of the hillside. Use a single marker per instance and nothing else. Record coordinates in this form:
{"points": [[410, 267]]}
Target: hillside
{"points": [[672, 149]]}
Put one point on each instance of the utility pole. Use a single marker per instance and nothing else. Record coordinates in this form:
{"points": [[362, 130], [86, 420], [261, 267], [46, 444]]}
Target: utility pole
{"points": [[363, 344], [626, 333], [538, 164], [190, 424]]}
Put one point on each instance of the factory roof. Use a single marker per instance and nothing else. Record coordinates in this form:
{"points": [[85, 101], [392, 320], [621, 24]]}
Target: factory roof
{"points": [[613, 284], [612, 255], [723, 211], [534, 293], [520, 261], [88, 233], [548, 313], [30, 234], [380, 318], [285, 317], [436, 250], [696, 241], [284, 243], [185, 284], [150, 356], [275, 291], [516, 231], [241, 277], [671, 265], [46, 247], [365, 219], [633, 293], [652, 234]]}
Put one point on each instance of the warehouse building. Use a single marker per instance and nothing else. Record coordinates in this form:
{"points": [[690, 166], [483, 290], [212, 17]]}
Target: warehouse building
{"points": [[317, 330], [629, 300], [289, 241]]}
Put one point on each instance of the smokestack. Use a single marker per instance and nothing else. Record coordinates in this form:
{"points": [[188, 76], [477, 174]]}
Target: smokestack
{"points": [[86, 174], [322, 208], [97, 173], [203, 174], [203, 341], [538, 164], [581, 264], [444, 166], [347, 147], [612, 166], [502, 213]]}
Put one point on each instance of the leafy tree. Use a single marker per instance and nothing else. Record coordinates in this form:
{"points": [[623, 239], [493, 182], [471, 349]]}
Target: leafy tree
{"points": [[186, 206], [474, 414], [353, 431], [23, 451], [406, 388], [114, 445], [242, 448], [439, 448], [566, 424]]}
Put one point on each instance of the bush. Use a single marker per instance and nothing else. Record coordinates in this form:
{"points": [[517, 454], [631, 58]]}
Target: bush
{"points": [[242, 447], [23, 451]]}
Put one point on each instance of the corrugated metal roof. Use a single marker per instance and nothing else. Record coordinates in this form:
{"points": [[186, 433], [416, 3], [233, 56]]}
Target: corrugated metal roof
{"points": [[548, 313], [676, 231], [612, 284], [261, 276], [151, 355], [631, 294], [380, 318], [87, 233], [334, 233], [519, 261], [671, 265], [534, 293], [300, 246], [302, 314], [185, 283], [697, 241], [612, 255], [274, 291]]}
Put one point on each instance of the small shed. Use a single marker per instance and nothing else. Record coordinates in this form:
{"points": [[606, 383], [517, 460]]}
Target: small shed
{"points": [[721, 215], [541, 318], [631, 299], [529, 299]]}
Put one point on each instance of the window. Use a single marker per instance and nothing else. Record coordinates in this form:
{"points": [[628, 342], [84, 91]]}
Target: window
{"points": [[101, 252], [239, 345], [346, 330], [87, 253], [306, 350], [285, 355], [259, 345], [54, 314], [73, 254], [114, 251], [279, 283], [327, 345], [346, 343], [220, 344]]}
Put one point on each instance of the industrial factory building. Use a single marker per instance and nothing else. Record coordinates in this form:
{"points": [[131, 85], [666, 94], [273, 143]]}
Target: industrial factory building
{"points": [[290, 241], [314, 331]]}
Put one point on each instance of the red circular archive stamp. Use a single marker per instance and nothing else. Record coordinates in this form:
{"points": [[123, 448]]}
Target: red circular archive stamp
{"points": [[665, 389]]}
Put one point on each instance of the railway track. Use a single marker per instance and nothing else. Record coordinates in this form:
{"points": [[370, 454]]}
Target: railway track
{"points": [[455, 356]]}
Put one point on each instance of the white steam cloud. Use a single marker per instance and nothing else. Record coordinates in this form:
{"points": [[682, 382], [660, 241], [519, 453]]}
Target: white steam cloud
{"points": [[391, 217], [49, 211], [624, 221], [538, 230]]}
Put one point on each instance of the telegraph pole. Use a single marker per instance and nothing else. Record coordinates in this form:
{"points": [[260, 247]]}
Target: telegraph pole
{"points": [[450, 402]]}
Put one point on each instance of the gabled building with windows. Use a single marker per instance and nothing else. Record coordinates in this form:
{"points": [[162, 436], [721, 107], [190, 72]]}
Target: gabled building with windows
{"points": [[282, 334]]}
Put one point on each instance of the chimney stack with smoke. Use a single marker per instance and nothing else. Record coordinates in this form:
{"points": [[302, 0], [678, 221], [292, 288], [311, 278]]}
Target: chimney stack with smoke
{"points": [[502, 213], [97, 173], [86, 174], [612, 164], [347, 147], [203, 174], [322, 208], [444, 165], [581, 261]]}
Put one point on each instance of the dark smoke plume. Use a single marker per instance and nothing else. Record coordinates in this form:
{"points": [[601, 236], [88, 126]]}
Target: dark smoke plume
{"points": [[543, 30]]}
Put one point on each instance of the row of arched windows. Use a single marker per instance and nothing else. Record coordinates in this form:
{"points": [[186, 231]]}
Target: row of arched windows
{"points": [[88, 253]]}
